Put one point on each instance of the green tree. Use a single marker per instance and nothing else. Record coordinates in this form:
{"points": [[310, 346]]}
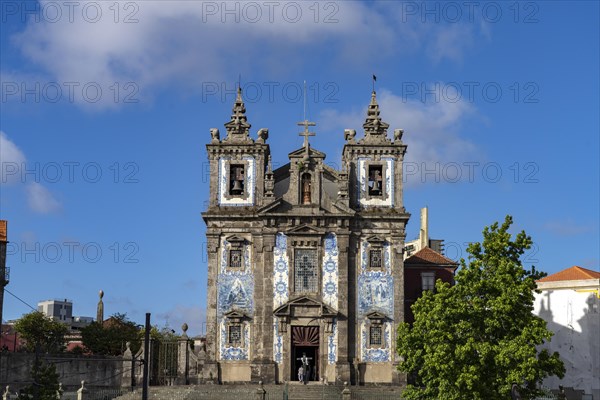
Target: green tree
{"points": [[45, 384], [38, 330], [475, 339], [110, 337]]}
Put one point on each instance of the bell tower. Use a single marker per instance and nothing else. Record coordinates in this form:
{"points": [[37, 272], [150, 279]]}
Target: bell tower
{"points": [[241, 182], [374, 165], [237, 162]]}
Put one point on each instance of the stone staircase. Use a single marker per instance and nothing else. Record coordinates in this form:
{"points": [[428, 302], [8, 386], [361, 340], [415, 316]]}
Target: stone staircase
{"points": [[312, 391], [295, 390]]}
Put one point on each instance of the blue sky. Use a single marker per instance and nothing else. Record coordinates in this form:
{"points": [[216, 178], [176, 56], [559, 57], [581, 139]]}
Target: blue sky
{"points": [[106, 109]]}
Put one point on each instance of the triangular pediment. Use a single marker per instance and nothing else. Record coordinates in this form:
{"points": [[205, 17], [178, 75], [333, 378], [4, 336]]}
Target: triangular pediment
{"points": [[235, 239], [376, 316], [311, 152], [234, 314], [322, 309], [305, 229], [376, 240]]}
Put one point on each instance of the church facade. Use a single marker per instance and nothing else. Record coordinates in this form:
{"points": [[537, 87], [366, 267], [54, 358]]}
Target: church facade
{"points": [[304, 259]]}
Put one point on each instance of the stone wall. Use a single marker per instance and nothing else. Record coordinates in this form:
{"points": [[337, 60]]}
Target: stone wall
{"points": [[100, 372]]}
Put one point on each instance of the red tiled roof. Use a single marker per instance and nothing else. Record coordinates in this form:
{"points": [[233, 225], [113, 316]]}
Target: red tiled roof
{"points": [[428, 256], [574, 273]]}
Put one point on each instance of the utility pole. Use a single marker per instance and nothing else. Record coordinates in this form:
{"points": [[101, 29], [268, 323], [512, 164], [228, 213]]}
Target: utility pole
{"points": [[146, 361]]}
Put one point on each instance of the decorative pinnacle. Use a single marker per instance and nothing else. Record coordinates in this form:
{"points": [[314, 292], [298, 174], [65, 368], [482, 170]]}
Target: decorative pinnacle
{"points": [[373, 124], [239, 123]]}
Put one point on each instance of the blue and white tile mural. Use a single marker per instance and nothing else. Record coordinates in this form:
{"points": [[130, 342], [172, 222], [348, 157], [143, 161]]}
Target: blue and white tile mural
{"points": [[223, 183], [382, 354], [280, 288], [233, 353], [277, 342], [330, 271], [330, 289], [281, 268], [375, 294], [389, 183], [332, 343], [235, 291]]}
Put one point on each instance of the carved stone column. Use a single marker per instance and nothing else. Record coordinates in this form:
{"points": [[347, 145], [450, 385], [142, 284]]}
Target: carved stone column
{"points": [[343, 369], [211, 369]]}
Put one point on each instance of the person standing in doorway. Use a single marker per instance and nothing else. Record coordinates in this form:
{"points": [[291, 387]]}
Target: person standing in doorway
{"points": [[301, 374], [306, 367]]}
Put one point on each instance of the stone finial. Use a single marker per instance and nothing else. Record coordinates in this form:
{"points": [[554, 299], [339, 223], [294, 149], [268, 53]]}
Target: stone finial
{"points": [[100, 308], [346, 394], [398, 134], [349, 135], [127, 354], [184, 328], [375, 128], [263, 135], [238, 127], [215, 135]]}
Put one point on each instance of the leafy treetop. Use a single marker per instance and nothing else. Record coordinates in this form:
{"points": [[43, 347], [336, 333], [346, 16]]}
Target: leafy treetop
{"points": [[474, 339]]}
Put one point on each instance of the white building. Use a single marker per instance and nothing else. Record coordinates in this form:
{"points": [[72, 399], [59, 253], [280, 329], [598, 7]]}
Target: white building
{"points": [[569, 302], [58, 310]]}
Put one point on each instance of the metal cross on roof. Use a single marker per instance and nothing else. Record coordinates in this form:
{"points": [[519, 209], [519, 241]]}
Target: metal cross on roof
{"points": [[306, 133]]}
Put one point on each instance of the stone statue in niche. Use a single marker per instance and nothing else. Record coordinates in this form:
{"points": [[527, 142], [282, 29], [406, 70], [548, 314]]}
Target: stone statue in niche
{"points": [[306, 196]]}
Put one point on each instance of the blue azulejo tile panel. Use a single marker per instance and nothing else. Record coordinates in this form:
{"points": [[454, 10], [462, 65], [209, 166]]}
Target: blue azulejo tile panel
{"points": [[280, 271], [332, 344], [277, 343], [376, 354], [248, 200], [280, 290], [330, 271], [235, 292], [375, 293], [387, 257], [234, 353], [246, 254]]}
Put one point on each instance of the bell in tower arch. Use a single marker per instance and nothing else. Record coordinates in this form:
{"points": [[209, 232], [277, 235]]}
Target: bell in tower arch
{"points": [[237, 180]]}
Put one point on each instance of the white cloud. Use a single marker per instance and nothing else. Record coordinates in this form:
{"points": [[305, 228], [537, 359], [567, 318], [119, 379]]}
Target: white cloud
{"points": [[187, 43], [11, 160], [567, 227], [450, 43], [431, 131], [40, 199]]}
